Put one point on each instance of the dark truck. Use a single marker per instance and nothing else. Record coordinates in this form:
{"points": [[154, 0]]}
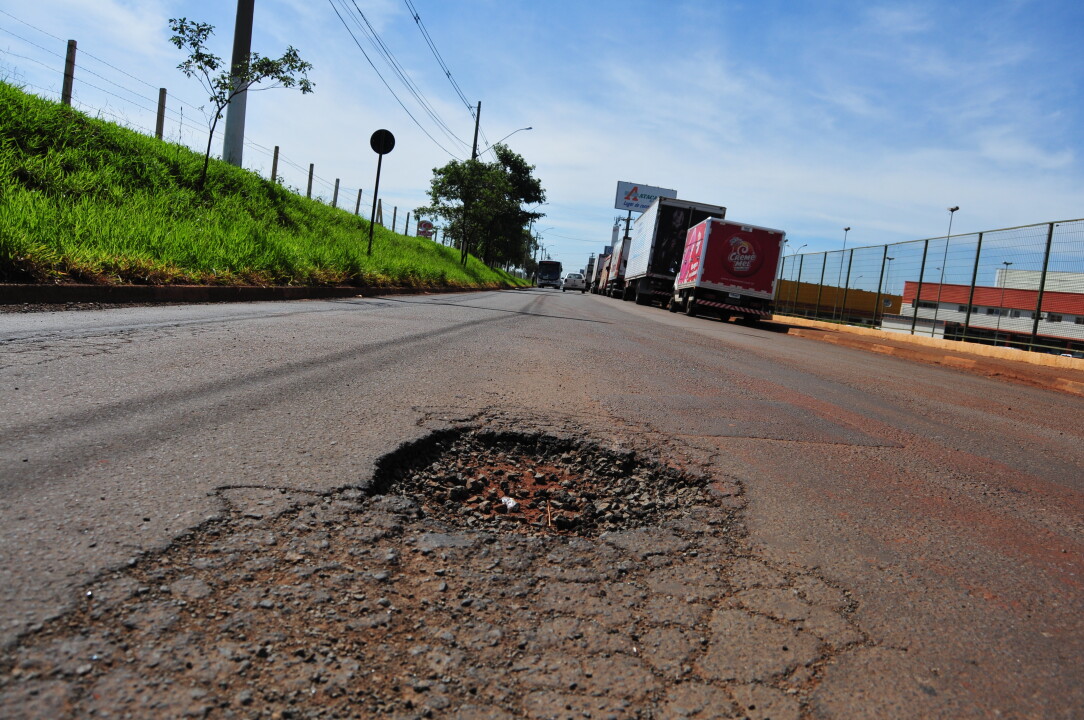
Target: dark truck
{"points": [[549, 274], [655, 246]]}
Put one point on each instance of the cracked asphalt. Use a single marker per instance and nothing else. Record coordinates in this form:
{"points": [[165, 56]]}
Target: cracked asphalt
{"points": [[273, 510]]}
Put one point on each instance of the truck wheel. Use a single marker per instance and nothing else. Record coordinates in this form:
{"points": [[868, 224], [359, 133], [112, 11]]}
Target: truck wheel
{"points": [[690, 307], [672, 306], [642, 298], [562, 289]]}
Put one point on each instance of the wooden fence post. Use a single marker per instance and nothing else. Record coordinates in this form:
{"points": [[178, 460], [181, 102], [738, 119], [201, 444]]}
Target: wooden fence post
{"points": [[160, 124], [335, 197], [308, 193], [275, 165], [69, 75], [357, 207], [394, 212]]}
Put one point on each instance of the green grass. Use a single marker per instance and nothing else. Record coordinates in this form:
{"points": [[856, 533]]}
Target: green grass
{"points": [[83, 200]]}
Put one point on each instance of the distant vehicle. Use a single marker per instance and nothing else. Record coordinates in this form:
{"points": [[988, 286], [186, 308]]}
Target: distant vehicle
{"points": [[602, 275], [655, 247], [549, 274], [728, 269], [615, 280], [574, 281]]}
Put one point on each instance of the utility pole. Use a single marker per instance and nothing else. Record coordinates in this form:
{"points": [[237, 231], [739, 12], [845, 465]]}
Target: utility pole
{"points": [[468, 199], [477, 119], [234, 142]]}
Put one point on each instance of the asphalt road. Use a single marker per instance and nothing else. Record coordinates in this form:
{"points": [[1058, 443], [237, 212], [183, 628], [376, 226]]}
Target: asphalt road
{"points": [[946, 509]]}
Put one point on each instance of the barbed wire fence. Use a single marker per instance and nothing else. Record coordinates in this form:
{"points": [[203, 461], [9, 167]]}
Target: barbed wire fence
{"points": [[1017, 287], [130, 101]]}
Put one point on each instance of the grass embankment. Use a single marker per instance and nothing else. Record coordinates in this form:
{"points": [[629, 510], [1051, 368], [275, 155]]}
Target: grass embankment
{"points": [[82, 200]]}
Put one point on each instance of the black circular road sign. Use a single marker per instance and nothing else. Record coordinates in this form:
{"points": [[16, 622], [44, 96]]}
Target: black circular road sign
{"points": [[382, 142]]}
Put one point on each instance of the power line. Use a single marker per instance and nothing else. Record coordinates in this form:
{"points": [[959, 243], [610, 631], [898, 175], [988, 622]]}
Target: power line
{"points": [[436, 54], [371, 64], [382, 48]]}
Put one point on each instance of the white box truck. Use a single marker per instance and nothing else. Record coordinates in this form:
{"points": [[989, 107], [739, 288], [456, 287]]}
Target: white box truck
{"points": [[655, 246]]}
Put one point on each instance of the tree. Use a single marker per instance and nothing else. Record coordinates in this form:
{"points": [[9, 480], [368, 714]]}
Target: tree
{"points": [[481, 205], [224, 85]]}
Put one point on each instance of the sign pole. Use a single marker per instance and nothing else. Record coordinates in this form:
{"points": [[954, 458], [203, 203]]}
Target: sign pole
{"points": [[382, 142]]}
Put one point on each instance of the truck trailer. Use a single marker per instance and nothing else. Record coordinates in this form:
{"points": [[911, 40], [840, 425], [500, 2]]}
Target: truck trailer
{"points": [[615, 280], [728, 269], [655, 247]]}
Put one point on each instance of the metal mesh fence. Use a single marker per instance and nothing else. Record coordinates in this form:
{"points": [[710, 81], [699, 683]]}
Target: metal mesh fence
{"points": [[1018, 287]]}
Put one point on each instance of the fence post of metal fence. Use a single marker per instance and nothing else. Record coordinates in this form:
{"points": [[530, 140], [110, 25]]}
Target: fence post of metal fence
{"points": [[918, 291], [308, 192], [357, 205], [160, 123], [971, 294], [880, 282], [275, 164], [69, 74], [820, 288], [335, 195], [794, 303], [1042, 287], [846, 285]]}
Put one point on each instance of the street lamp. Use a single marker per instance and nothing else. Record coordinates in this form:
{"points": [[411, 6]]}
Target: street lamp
{"points": [[944, 262], [503, 139], [1001, 306]]}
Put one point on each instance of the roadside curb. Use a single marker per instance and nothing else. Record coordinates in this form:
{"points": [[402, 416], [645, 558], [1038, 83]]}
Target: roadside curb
{"points": [[825, 331], [11, 294], [1048, 372]]}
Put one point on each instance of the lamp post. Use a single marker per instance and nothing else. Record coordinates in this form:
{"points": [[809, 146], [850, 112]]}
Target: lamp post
{"points": [[483, 152], [839, 278], [1001, 306], [944, 263]]}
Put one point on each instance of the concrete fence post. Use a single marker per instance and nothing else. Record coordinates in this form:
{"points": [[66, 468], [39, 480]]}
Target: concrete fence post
{"points": [[335, 195], [308, 192], [820, 288], [394, 212], [1042, 288], [971, 294], [357, 205], [918, 291], [275, 165], [160, 123], [846, 286], [69, 74]]}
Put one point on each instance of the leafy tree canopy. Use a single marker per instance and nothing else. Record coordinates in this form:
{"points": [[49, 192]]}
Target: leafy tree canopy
{"points": [[481, 206]]}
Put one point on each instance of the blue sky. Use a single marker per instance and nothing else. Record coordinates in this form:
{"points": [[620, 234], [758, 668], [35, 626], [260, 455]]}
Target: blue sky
{"points": [[804, 116]]}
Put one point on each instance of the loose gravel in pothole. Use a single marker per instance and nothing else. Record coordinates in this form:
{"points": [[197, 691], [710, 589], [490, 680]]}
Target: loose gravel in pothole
{"points": [[537, 485], [351, 605]]}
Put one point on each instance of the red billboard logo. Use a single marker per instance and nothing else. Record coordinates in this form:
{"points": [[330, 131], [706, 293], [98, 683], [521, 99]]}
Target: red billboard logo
{"points": [[742, 259], [634, 194]]}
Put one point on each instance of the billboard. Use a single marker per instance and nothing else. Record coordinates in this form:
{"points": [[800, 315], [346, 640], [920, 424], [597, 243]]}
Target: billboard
{"points": [[636, 198]]}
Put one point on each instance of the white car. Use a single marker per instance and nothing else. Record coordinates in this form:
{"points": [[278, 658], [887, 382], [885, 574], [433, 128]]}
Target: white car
{"points": [[574, 281]]}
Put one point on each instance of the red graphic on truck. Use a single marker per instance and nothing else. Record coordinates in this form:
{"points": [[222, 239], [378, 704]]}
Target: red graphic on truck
{"points": [[690, 262], [742, 259]]}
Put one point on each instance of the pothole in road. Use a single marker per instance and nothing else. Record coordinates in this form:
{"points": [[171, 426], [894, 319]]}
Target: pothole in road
{"points": [[536, 484]]}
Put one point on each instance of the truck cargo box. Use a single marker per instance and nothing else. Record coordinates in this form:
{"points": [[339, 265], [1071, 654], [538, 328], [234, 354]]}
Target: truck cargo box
{"points": [[729, 267], [656, 243]]}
